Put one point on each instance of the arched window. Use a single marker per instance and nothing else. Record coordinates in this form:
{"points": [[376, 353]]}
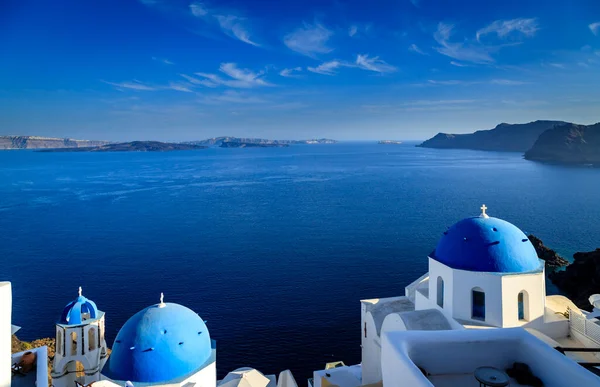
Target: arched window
{"points": [[478, 302], [59, 343], [92, 339], [523, 306], [73, 343], [440, 292]]}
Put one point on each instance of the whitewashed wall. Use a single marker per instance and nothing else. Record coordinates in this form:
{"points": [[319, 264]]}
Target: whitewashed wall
{"points": [[5, 333], [501, 295], [535, 286], [371, 351]]}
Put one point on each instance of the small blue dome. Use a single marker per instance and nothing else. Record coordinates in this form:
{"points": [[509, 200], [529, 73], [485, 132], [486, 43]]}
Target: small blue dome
{"points": [[73, 313], [487, 244], [160, 343]]}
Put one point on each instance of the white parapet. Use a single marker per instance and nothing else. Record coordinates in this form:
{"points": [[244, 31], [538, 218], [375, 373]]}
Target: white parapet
{"points": [[5, 333]]}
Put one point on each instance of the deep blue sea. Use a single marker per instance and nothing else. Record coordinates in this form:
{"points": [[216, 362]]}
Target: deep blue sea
{"points": [[274, 247]]}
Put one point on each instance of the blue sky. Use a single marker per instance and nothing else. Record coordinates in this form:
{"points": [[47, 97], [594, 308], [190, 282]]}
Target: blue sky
{"points": [[176, 70]]}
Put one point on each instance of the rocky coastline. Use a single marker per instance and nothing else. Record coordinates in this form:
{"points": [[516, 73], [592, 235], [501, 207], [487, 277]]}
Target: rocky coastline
{"points": [[503, 138], [568, 144], [36, 142], [134, 146]]}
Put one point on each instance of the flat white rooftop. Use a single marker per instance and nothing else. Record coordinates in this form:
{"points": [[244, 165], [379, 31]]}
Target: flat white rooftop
{"points": [[450, 358]]}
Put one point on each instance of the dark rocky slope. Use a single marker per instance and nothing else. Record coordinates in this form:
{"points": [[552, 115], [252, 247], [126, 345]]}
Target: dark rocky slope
{"points": [[504, 137], [568, 144], [552, 259], [580, 279]]}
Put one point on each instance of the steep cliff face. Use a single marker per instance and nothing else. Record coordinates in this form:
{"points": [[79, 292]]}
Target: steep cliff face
{"points": [[569, 144], [504, 137], [34, 142]]}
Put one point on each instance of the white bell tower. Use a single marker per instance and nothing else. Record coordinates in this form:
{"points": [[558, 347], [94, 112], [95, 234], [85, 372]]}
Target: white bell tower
{"points": [[80, 344]]}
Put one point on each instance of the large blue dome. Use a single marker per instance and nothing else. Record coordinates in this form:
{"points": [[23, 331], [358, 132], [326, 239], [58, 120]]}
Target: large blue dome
{"points": [[487, 244], [160, 343], [78, 310]]}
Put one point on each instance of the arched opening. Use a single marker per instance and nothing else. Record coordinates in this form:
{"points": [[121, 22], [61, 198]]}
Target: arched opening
{"points": [[74, 374], [478, 304], [523, 306], [73, 343], [59, 343], [440, 292], [92, 339]]}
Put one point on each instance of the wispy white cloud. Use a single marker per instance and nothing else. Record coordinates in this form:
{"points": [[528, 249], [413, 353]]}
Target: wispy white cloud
{"points": [[504, 28], [133, 85], [233, 26], [352, 30], [456, 82], [507, 82], [179, 87], [459, 50], [199, 18], [356, 30], [363, 62], [163, 60], [198, 9], [458, 64], [439, 102], [595, 28], [327, 68], [137, 85], [236, 78], [450, 82], [290, 73], [373, 64], [415, 2], [231, 96], [414, 48], [309, 40], [557, 65], [196, 81]]}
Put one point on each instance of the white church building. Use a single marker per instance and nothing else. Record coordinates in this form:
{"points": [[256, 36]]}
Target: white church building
{"points": [[484, 274]]}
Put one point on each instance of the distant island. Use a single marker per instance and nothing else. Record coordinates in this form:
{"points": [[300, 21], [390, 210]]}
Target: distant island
{"points": [[504, 137], [36, 142], [134, 146], [386, 142], [218, 141], [240, 144], [51, 143], [568, 144]]}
